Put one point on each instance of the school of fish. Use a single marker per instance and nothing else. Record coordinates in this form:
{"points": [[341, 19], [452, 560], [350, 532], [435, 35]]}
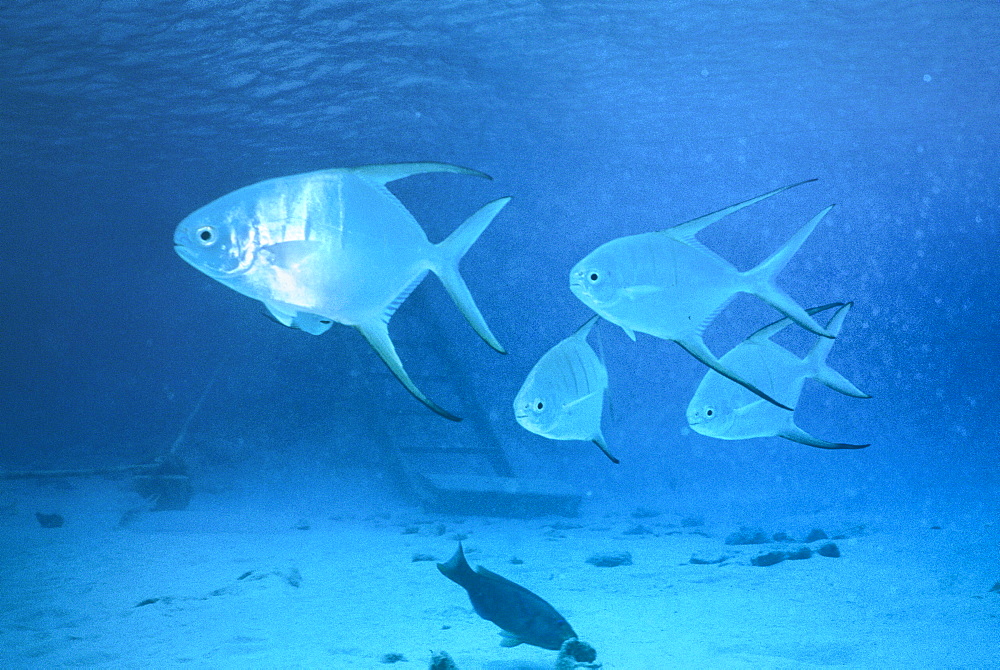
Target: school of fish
{"points": [[336, 246], [669, 285]]}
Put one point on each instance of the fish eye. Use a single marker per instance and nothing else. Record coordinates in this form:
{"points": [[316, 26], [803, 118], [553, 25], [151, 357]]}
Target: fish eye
{"points": [[709, 412], [593, 276], [205, 235], [539, 405]]}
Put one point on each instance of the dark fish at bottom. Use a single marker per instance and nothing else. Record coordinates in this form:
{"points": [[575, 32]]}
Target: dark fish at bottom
{"points": [[522, 616]]}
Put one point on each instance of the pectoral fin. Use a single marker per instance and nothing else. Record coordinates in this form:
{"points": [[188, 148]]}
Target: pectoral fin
{"points": [[377, 334], [634, 292], [313, 324], [289, 255], [577, 401], [509, 639]]}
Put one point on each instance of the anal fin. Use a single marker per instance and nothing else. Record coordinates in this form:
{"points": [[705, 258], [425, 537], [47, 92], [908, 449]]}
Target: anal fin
{"points": [[603, 446], [377, 334], [796, 434], [696, 347]]}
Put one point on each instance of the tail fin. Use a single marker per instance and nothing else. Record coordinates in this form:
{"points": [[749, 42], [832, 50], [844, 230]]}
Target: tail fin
{"points": [[817, 358], [452, 249], [762, 279], [457, 569]]}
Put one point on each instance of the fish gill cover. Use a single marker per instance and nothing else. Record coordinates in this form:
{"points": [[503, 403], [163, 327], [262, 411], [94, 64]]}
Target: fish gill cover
{"points": [[602, 119]]}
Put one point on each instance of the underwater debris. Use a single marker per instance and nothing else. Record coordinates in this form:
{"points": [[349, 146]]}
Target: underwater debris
{"points": [[645, 513], [49, 520], [575, 653], [747, 536], [704, 558], [392, 658], [610, 559], [638, 529], [440, 660]]}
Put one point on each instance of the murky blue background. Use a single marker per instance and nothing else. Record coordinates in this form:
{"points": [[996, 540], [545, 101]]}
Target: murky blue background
{"points": [[601, 119]]}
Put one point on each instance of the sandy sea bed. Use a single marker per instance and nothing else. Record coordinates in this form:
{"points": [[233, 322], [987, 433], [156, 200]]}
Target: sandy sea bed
{"points": [[233, 584]]}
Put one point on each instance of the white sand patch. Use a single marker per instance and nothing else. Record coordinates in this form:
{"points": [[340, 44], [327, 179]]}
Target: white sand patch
{"points": [[242, 589]]}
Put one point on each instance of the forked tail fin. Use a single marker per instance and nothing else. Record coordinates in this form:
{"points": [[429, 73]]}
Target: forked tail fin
{"points": [[817, 358], [452, 249], [762, 284]]}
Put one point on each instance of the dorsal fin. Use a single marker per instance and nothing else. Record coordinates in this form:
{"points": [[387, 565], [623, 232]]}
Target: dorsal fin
{"points": [[383, 174], [687, 230], [770, 330]]}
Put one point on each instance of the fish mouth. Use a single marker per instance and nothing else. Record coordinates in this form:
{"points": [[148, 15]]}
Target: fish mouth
{"points": [[183, 252], [695, 418]]}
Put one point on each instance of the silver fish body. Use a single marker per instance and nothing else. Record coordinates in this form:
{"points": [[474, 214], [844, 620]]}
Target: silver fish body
{"points": [[562, 398], [333, 246], [728, 411], [669, 285]]}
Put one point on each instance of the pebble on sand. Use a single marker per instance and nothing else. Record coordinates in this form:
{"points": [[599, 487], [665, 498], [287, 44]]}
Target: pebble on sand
{"points": [[611, 559], [829, 550]]}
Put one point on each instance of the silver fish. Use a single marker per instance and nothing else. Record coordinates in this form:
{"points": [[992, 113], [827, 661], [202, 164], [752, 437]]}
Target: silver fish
{"points": [[563, 396], [670, 285], [334, 246], [728, 411]]}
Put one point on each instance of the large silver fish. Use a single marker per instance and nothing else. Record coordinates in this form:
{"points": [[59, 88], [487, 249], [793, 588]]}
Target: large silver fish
{"points": [[333, 246], [670, 285], [562, 397], [728, 411]]}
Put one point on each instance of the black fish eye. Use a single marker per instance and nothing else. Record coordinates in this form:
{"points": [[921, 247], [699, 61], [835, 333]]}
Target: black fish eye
{"points": [[594, 276], [206, 235], [539, 405], [709, 412]]}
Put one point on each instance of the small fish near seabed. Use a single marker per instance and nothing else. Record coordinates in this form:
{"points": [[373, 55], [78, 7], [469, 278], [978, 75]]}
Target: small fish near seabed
{"points": [[562, 397], [671, 286], [728, 411], [522, 616], [334, 246]]}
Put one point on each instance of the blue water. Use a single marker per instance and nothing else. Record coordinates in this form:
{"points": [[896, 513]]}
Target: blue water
{"points": [[601, 119]]}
